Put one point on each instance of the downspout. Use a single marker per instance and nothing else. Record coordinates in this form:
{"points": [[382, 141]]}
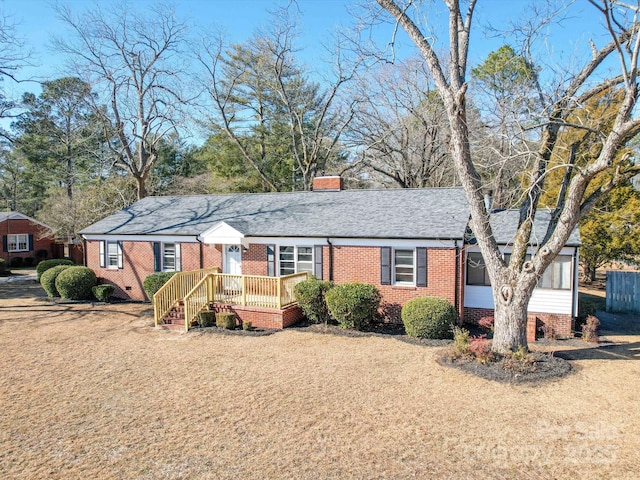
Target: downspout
{"points": [[457, 280], [330, 259], [574, 286], [201, 252]]}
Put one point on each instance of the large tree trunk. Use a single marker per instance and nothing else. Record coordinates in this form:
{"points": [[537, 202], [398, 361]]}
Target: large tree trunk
{"points": [[510, 323], [142, 188]]}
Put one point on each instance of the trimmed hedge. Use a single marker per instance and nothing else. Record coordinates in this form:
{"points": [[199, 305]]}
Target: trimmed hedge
{"points": [[206, 318], [16, 262], [429, 317], [153, 282], [353, 305], [48, 279], [226, 320], [76, 283], [310, 295], [104, 292], [47, 264]]}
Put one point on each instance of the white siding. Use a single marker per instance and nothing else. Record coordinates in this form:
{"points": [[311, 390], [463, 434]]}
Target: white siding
{"points": [[542, 300], [478, 296]]}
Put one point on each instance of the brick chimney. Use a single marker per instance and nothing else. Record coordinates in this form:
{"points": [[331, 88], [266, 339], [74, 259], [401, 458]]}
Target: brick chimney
{"points": [[327, 184]]}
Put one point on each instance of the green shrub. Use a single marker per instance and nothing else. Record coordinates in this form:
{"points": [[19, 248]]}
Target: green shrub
{"points": [[16, 262], [76, 283], [153, 282], [3, 265], [353, 305], [429, 317], [310, 295], [226, 320], [48, 279], [206, 318], [247, 325], [103, 292], [47, 264]]}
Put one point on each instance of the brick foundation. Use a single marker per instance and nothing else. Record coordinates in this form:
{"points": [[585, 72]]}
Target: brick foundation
{"points": [[537, 322], [271, 318]]}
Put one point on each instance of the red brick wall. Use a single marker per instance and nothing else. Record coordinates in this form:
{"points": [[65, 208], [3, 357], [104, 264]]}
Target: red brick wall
{"points": [[561, 323], [254, 260], [362, 264], [265, 317], [42, 238], [138, 264]]}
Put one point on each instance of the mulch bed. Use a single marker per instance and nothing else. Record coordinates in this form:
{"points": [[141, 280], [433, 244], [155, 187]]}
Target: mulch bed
{"points": [[543, 367]]}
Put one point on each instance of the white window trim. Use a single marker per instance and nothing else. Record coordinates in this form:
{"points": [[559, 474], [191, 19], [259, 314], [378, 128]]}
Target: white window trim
{"points": [[414, 267], [17, 242], [295, 258], [104, 255], [177, 261]]}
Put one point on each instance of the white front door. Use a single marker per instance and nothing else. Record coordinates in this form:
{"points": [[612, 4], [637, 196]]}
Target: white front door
{"points": [[233, 260]]}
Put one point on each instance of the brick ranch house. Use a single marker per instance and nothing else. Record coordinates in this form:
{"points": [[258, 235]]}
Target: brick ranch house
{"points": [[24, 237], [407, 242]]}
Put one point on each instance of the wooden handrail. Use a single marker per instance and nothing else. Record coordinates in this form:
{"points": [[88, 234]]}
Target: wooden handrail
{"points": [[215, 287], [172, 292]]}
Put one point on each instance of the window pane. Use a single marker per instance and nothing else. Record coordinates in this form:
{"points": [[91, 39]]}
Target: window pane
{"points": [[112, 254], [169, 257], [562, 272], [287, 263], [476, 271], [305, 254], [403, 266], [17, 243]]}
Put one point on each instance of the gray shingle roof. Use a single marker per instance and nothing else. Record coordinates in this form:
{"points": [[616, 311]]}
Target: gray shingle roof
{"points": [[439, 213], [505, 222]]}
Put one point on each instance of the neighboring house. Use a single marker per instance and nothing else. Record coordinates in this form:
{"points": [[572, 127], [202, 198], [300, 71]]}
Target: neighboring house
{"points": [[25, 238], [407, 242]]}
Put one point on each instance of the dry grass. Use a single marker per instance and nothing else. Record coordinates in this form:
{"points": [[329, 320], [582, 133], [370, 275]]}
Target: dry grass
{"points": [[96, 392]]}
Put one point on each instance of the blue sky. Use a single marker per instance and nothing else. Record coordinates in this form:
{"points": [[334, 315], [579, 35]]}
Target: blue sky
{"points": [[239, 18]]}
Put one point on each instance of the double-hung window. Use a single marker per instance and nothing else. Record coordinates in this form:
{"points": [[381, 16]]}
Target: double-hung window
{"points": [[169, 257], [557, 276], [476, 270], [166, 257], [404, 267], [295, 259], [18, 243], [111, 254]]}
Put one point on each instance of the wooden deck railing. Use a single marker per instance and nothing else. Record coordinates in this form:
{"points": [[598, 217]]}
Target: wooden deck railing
{"points": [[175, 290], [245, 290]]}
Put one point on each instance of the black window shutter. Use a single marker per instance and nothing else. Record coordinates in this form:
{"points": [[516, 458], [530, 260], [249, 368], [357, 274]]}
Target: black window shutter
{"points": [[30, 246], [5, 244], [156, 257], [317, 261], [421, 265], [271, 260], [385, 265]]}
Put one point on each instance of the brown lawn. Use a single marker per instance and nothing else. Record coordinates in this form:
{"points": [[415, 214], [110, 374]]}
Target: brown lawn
{"points": [[96, 392]]}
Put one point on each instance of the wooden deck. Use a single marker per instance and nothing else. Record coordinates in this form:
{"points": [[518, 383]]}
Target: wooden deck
{"points": [[196, 291]]}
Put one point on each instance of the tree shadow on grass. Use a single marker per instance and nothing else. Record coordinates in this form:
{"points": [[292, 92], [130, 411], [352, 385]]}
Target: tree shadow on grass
{"points": [[603, 351]]}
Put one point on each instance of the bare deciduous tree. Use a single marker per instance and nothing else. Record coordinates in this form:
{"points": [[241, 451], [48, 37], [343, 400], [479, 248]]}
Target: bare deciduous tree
{"points": [[135, 63], [513, 282], [400, 128]]}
